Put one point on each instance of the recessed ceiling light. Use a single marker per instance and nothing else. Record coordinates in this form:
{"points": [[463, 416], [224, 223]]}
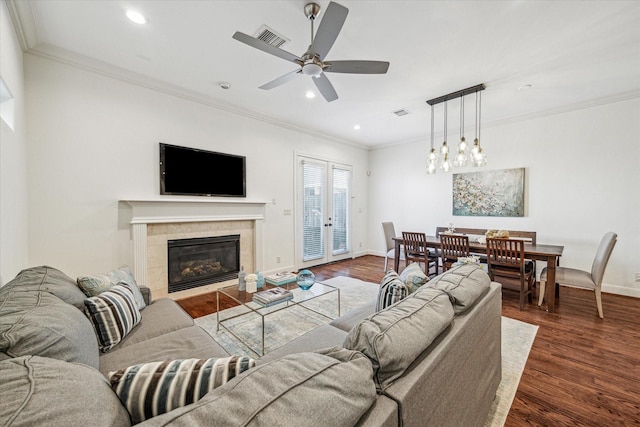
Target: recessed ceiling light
{"points": [[137, 17], [224, 85], [525, 87], [310, 94], [356, 127]]}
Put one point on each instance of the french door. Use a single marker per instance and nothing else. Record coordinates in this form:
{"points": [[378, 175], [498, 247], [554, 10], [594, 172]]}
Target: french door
{"points": [[323, 232]]}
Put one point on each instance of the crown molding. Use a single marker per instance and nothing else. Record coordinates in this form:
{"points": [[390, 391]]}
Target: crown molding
{"points": [[24, 22], [66, 57], [611, 99]]}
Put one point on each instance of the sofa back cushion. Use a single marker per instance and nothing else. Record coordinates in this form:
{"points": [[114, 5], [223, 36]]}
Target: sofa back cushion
{"points": [[331, 387], [35, 322], [464, 284], [38, 391], [46, 279], [394, 337]]}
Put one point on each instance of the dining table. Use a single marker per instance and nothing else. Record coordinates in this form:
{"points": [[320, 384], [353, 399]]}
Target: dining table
{"points": [[541, 252]]}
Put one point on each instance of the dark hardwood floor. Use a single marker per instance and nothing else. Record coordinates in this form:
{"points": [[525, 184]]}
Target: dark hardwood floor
{"points": [[582, 370]]}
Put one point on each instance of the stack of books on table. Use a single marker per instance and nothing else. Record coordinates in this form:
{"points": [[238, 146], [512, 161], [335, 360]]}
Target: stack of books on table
{"points": [[272, 296], [280, 279]]}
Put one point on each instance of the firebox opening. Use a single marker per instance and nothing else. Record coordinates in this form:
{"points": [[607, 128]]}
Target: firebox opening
{"points": [[202, 261]]}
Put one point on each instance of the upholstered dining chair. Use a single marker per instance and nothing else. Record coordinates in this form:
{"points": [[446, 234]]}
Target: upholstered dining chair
{"points": [[389, 234], [452, 247], [585, 279], [505, 258], [415, 250]]}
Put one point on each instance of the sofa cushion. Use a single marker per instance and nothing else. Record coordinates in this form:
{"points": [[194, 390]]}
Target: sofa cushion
{"points": [[394, 337], [333, 387], [96, 284], [185, 343], [38, 323], [464, 284], [38, 391], [155, 388], [45, 279], [114, 313], [392, 290], [413, 277]]}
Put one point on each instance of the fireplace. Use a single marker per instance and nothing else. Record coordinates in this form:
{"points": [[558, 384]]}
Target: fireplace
{"points": [[202, 261]]}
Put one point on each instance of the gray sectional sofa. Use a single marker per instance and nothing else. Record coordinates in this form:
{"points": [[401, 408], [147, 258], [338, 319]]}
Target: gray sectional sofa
{"points": [[433, 358]]}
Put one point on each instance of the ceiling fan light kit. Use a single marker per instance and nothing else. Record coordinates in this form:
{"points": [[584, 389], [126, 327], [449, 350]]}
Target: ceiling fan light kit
{"points": [[477, 155], [312, 63]]}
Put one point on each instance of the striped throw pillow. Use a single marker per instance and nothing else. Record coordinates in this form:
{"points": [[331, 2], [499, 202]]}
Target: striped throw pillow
{"points": [[392, 290], [114, 314], [151, 389]]}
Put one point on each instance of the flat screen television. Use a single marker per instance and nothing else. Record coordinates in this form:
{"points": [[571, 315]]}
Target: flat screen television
{"points": [[194, 172]]}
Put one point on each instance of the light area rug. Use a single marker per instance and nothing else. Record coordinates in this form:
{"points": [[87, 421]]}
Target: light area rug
{"points": [[286, 325]]}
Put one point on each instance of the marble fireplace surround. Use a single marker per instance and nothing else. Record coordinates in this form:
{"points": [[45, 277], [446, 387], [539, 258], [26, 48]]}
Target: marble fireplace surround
{"points": [[154, 222]]}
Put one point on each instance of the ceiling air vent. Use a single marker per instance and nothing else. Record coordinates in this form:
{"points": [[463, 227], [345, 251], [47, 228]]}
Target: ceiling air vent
{"points": [[401, 112], [270, 36]]}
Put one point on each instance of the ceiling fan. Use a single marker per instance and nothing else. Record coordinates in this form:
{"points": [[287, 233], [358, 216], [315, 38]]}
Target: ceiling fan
{"points": [[312, 62]]}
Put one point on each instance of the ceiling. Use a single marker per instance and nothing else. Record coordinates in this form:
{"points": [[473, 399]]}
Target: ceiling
{"points": [[572, 54]]}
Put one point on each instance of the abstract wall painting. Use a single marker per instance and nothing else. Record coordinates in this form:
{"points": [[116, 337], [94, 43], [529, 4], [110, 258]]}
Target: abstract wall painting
{"points": [[490, 193]]}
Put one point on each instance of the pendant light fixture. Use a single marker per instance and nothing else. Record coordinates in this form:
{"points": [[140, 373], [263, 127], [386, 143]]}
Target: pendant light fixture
{"points": [[432, 160], [478, 157], [446, 162], [460, 159], [461, 156]]}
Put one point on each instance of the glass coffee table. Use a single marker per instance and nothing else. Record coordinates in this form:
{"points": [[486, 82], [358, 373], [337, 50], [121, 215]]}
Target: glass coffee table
{"points": [[248, 306]]}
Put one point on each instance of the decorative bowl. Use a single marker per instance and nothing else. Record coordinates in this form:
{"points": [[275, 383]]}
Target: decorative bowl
{"points": [[305, 279]]}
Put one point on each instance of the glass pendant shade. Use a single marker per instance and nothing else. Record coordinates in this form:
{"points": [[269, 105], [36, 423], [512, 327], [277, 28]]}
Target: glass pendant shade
{"points": [[461, 159], [431, 167], [433, 155], [445, 148], [462, 145], [446, 164]]}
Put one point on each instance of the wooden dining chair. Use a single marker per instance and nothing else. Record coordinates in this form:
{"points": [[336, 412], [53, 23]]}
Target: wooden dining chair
{"points": [[505, 259], [452, 247], [415, 250]]}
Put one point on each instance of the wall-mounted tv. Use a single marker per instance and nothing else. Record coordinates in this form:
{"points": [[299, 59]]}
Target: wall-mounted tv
{"points": [[194, 172]]}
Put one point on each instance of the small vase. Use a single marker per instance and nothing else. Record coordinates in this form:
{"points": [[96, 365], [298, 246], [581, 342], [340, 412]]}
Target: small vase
{"points": [[242, 284], [305, 279]]}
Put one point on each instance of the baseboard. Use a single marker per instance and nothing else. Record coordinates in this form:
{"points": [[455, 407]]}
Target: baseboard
{"points": [[621, 290]]}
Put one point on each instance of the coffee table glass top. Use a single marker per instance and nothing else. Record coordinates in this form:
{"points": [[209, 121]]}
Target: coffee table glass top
{"points": [[247, 306]]}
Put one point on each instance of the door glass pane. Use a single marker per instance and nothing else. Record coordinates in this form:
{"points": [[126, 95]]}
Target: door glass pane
{"points": [[313, 178], [340, 218]]}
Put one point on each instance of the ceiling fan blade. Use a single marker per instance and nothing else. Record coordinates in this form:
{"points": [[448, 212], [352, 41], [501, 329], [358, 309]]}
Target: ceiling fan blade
{"points": [[280, 80], [325, 87], [329, 28], [266, 47], [356, 67]]}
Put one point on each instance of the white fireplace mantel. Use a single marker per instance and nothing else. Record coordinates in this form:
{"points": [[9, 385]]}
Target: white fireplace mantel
{"points": [[174, 210]]}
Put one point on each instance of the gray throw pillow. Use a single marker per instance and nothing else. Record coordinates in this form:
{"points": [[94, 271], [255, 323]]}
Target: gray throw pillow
{"points": [[393, 338], [96, 284], [38, 391]]}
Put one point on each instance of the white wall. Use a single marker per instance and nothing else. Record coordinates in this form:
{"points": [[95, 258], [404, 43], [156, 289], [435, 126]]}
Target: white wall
{"points": [[582, 179], [93, 140], [13, 158]]}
